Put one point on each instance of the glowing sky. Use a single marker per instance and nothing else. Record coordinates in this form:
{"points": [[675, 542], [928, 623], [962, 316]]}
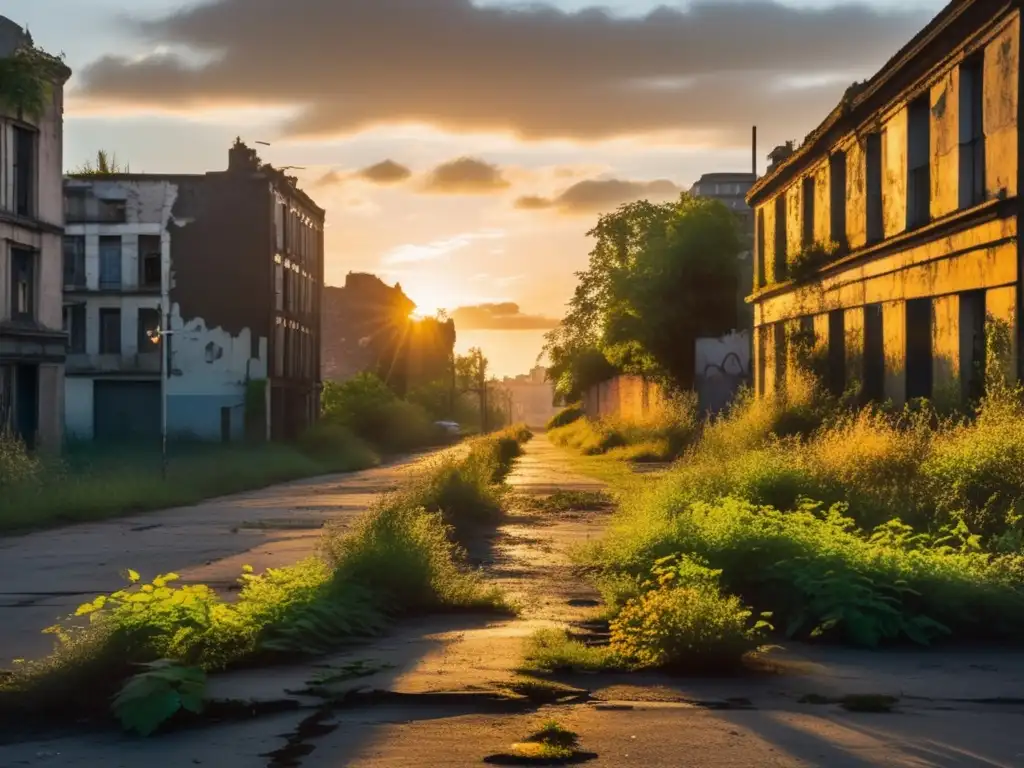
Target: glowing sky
{"points": [[462, 149]]}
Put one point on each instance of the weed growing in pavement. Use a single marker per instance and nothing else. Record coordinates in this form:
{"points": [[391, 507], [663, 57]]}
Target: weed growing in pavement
{"points": [[398, 559], [554, 650]]}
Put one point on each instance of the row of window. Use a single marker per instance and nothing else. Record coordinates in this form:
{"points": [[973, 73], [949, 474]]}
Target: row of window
{"points": [[918, 351], [293, 289], [293, 351], [110, 329], [111, 249], [971, 176], [294, 236]]}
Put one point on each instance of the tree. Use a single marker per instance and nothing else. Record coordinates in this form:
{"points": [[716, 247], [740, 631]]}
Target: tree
{"points": [[659, 276], [106, 165]]}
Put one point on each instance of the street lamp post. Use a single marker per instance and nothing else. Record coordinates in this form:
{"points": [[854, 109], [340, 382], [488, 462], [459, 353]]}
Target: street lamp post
{"points": [[157, 337]]}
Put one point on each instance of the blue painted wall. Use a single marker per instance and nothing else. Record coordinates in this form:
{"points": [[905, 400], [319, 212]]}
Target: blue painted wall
{"points": [[199, 416]]}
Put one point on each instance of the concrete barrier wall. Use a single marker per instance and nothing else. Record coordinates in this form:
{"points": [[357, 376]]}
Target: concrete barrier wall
{"points": [[629, 398]]}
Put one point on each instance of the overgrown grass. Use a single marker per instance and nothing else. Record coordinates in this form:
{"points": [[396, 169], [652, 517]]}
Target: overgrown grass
{"points": [[93, 485], [914, 532], [566, 416], [400, 558]]}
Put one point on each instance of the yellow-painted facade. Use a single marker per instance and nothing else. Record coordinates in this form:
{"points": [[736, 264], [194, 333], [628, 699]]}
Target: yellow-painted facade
{"points": [[944, 265]]}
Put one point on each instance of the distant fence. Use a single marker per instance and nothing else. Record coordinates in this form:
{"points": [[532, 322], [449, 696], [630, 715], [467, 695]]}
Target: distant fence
{"points": [[722, 367]]}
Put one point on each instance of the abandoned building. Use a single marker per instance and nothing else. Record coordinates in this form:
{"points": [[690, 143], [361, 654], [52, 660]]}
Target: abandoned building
{"points": [[32, 344], [888, 239], [230, 264]]}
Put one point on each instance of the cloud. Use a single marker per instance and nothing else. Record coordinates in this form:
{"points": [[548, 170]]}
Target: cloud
{"points": [[385, 172], [465, 176], [437, 249], [707, 68], [503, 316], [599, 195]]}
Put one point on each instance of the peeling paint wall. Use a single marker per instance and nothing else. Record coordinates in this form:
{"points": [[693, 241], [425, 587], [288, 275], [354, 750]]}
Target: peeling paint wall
{"points": [[960, 250]]}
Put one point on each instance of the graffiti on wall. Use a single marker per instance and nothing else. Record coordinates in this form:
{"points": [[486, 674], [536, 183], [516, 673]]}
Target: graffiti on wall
{"points": [[723, 366]]}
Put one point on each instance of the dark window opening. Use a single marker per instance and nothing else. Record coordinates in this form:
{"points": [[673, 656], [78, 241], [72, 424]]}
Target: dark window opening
{"points": [[24, 171], [780, 261], [74, 326], [149, 261], [972, 133], [919, 163], [972, 345], [781, 356], [110, 331], [74, 261], [110, 262], [23, 284], [762, 359], [874, 353], [836, 352], [81, 207], [808, 212], [837, 195], [873, 182], [149, 323], [919, 348]]}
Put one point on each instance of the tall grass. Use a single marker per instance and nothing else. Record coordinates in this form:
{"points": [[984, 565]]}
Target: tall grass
{"points": [[400, 558], [93, 485]]}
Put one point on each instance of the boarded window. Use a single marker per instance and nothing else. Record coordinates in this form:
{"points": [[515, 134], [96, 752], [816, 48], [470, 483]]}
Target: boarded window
{"points": [[972, 345], [918, 163], [919, 348], [110, 262], [837, 197], [836, 352], [972, 133], [873, 182], [110, 331], [874, 353]]}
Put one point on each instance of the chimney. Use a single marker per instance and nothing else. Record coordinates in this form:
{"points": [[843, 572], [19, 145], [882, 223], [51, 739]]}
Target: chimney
{"points": [[779, 154], [242, 158], [753, 151]]}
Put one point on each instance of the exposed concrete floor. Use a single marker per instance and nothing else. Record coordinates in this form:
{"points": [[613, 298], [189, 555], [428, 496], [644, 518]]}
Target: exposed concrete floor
{"points": [[435, 705], [45, 576]]}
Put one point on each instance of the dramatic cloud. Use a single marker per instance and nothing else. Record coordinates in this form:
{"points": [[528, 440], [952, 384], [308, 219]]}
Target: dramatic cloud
{"points": [[465, 176], [437, 249], [386, 172], [710, 68], [499, 317], [600, 195]]}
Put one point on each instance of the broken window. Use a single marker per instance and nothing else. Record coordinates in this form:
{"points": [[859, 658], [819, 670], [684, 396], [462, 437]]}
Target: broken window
{"points": [[837, 197], [110, 262], [972, 345], [918, 163], [148, 323], [836, 352], [874, 353], [74, 261], [24, 171], [23, 284], [780, 261], [919, 348], [150, 249], [110, 331], [808, 212], [873, 182], [74, 326], [972, 133]]}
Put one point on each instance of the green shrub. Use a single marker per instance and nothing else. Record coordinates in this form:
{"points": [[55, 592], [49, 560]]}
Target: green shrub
{"points": [[553, 650], [17, 465], [365, 405], [336, 447], [566, 416]]}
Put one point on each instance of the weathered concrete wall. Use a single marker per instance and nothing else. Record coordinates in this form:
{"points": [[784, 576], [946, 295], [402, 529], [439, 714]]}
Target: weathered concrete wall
{"points": [[78, 415], [722, 367], [1002, 93], [946, 349], [894, 329], [626, 398]]}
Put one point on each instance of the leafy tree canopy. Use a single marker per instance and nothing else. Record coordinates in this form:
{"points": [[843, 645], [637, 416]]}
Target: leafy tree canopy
{"points": [[659, 276]]}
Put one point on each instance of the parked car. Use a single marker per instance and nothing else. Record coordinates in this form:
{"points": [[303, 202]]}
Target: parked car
{"points": [[449, 427]]}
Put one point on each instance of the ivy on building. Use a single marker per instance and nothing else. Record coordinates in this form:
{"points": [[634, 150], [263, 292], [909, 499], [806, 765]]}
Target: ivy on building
{"points": [[26, 80], [805, 264]]}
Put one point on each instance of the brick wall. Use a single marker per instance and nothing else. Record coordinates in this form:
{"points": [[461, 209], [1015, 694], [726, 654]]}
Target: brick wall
{"points": [[629, 398]]}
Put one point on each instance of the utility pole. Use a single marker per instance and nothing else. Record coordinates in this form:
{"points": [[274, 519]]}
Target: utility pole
{"points": [[482, 386]]}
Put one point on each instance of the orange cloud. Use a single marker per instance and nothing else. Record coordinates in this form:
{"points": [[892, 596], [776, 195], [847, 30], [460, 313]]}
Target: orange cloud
{"points": [[598, 195]]}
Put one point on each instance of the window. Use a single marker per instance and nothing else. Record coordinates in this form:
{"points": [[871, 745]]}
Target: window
{"points": [[279, 349], [873, 182], [972, 345], [762, 359], [110, 262], [289, 284], [918, 163], [919, 348], [836, 352], [23, 284], [74, 261], [781, 356], [837, 197], [81, 206], [972, 133], [279, 219], [74, 326], [807, 234], [149, 321], [110, 331], [24, 171], [278, 287], [874, 353], [780, 261], [149, 261]]}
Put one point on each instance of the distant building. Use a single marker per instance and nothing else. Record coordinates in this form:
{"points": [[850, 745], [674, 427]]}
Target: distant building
{"points": [[234, 259], [32, 343], [532, 397], [890, 238]]}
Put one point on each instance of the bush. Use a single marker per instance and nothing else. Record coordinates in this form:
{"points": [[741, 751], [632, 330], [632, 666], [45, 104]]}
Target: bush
{"points": [[17, 465], [336, 447], [566, 416], [365, 405]]}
